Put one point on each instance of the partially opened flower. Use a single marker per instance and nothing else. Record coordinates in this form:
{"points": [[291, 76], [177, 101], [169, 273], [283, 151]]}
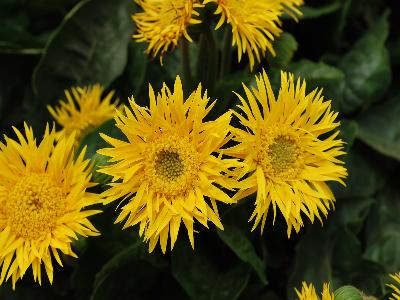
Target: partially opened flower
{"points": [[43, 203], [289, 150], [162, 23], [255, 23], [395, 287], [308, 292], [84, 110], [169, 169]]}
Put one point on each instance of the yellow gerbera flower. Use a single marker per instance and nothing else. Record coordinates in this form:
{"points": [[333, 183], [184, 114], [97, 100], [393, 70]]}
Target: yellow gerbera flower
{"points": [[167, 166], [163, 22], [84, 110], [396, 289], [308, 292], [42, 203], [255, 23], [288, 154]]}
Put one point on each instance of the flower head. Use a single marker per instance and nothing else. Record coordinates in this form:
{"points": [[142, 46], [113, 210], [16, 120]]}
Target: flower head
{"points": [[288, 152], [167, 167], [395, 287], [255, 23], [162, 23], [308, 292], [42, 203], [84, 110]]}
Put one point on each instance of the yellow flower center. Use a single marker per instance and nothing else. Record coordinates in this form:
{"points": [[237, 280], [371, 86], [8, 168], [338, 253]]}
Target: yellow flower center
{"points": [[172, 165], [34, 205], [280, 153]]}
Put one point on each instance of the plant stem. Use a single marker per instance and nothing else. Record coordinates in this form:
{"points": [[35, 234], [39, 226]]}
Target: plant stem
{"points": [[187, 73], [226, 53]]}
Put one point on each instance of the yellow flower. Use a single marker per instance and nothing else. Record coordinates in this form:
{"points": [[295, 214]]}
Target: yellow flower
{"points": [[255, 23], [395, 288], [166, 168], [287, 150], [42, 203], [308, 292], [83, 111], [163, 22]]}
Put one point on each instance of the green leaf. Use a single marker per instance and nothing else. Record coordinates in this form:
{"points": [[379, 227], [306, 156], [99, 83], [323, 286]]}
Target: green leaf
{"points": [[312, 268], [321, 75], [383, 229], [202, 280], [237, 240], [310, 12], [87, 48], [348, 132], [285, 46], [367, 68], [380, 127], [133, 264], [365, 176]]}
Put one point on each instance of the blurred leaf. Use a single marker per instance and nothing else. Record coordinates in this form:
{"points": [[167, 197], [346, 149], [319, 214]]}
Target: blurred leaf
{"points": [[142, 268], [315, 268], [285, 46], [202, 280], [348, 132], [236, 239], [383, 229], [321, 75], [310, 12], [352, 212], [365, 176], [380, 127], [367, 68], [87, 48]]}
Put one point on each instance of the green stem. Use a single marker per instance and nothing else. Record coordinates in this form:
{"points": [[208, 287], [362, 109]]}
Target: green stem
{"points": [[226, 53], [207, 60], [187, 73]]}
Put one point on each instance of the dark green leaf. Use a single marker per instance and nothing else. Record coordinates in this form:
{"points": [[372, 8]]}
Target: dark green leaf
{"points": [[285, 46], [240, 244], [310, 12], [87, 48], [380, 127], [367, 68], [202, 280], [383, 229]]}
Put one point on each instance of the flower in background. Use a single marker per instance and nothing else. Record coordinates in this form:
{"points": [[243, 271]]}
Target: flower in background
{"points": [[168, 168], [288, 150], [255, 23], [308, 292], [43, 202], [395, 287], [162, 23], [84, 110]]}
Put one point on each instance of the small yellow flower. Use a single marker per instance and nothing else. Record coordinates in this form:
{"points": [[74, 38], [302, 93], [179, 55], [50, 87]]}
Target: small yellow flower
{"points": [[42, 203], [395, 288], [163, 22], [308, 292], [288, 155], [84, 110], [167, 167], [255, 23]]}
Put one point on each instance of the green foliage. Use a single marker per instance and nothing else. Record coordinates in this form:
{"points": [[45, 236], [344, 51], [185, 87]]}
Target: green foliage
{"points": [[350, 48]]}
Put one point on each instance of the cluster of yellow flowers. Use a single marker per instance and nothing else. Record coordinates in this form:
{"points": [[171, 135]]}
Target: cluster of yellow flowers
{"points": [[173, 167], [162, 23]]}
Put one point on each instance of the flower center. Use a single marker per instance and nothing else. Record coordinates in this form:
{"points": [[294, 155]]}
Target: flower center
{"points": [[34, 205], [279, 153], [172, 165], [169, 165]]}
